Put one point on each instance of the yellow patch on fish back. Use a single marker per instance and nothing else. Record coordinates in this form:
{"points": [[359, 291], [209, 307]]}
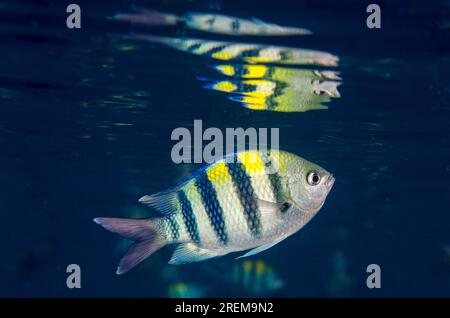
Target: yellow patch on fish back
{"points": [[226, 69], [252, 162], [218, 173], [222, 56], [231, 51], [257, 59], [225, 86], [256, 106], [255, 71], [257, 103]]}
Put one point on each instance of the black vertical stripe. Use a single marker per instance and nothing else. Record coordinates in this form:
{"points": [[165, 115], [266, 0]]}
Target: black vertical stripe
{"points": [[235, 25], [250, 53], [194, 47], [242, 70], [270, 72], [215, 49], [210, 22], [275, 182], [271, 101], [247, 196], [173, 227], [284, 56], [189, 218], [212, 205], [247, 88], [274, 177]]}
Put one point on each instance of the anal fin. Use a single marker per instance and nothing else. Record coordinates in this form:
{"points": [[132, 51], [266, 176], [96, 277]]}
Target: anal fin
{"points": [[189, 253], [260, 248]]}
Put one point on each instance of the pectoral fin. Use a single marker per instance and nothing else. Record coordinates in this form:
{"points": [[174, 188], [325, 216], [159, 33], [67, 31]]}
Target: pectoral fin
{"points": [[271, 208], [189, 253]]}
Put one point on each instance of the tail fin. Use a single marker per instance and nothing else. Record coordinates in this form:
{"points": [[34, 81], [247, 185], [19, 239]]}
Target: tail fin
{"points": [[146, 234], [148, 17]]}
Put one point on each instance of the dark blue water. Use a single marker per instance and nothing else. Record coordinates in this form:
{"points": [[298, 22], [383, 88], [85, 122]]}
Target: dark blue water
{"points": [[85, 124]]}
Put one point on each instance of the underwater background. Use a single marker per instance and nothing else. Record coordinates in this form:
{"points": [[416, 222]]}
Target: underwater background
{"points": [[85, 124]]}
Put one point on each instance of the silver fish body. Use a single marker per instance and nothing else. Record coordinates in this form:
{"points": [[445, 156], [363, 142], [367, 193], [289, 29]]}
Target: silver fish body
{"points": [[245, 52], [298, 95], [223, 24], [210, 22], [249, 200]]}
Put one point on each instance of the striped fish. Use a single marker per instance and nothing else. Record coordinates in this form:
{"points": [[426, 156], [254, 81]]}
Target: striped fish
{"points": [[276, 73], [298, 95], [246, 52], [247, 200], [209, 22]]}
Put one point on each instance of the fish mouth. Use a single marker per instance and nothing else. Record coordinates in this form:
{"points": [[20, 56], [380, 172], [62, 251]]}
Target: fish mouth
{"points": [[330, 75], [329, 60]]}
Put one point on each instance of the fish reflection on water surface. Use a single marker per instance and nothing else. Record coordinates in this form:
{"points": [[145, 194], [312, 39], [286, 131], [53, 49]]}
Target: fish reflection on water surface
{"points": [[274, 88], [244, 52], [275, 73], [209, 22]]}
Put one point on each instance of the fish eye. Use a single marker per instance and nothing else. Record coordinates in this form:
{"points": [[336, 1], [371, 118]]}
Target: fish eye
{"points": [[319, 92], [313, 178]]}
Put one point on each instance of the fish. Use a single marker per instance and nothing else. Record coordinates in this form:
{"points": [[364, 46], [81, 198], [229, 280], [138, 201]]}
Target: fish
{"points": [[246, 201], [210, 22], [271, 72], [252, 53], [299, 95]]}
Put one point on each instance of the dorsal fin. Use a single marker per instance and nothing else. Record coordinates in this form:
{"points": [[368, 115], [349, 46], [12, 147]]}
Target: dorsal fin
{"points": [[165, 202], [258, 21]]}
